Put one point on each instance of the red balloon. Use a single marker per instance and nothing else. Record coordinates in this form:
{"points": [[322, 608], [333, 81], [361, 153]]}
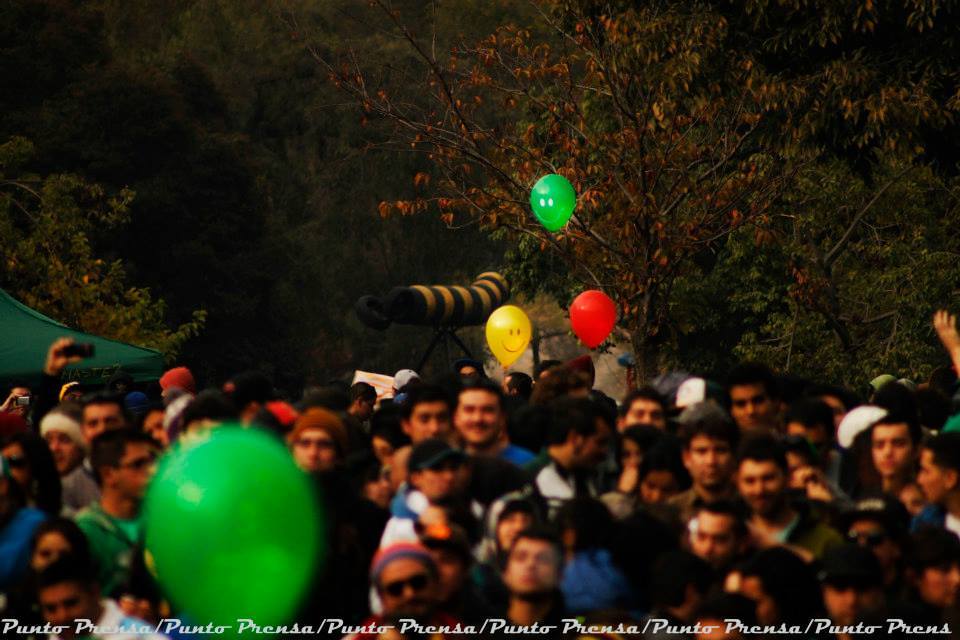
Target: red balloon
{"points": [[593, 315]]}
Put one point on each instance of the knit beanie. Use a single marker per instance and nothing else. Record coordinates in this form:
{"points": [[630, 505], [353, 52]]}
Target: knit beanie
{"points": [[326, 421], [398, 550], [136, 402], [584, 364], [55, 421], [12, 424], [179, 377]]}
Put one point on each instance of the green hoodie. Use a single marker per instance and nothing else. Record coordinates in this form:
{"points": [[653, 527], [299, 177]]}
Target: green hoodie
{"points": [[112, 543]]}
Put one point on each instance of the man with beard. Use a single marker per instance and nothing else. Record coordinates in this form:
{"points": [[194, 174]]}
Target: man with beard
{"points": [[762, 482], [406, 580]]}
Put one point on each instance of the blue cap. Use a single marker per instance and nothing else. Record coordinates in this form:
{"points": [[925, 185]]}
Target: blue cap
{"points": [[136, 402]]}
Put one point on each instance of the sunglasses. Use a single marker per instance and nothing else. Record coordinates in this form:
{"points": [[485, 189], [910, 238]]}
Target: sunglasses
{"points": [[16, 462], [417, 582], [139, 464], [872, 538]]}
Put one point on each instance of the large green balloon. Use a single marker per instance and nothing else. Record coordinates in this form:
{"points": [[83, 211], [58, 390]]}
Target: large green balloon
{"points": [[233, 528], [553, 200]]}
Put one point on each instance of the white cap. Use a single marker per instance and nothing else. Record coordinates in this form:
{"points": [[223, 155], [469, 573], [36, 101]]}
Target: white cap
{"points": [[56, 421], [857, 421], [691, 391], [404, 377]]}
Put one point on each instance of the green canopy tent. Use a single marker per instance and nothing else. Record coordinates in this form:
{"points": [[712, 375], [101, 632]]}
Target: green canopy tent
{"points": [[25, 337]]}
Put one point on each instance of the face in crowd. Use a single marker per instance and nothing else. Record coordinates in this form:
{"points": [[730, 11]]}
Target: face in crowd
{"points": [[129, 479], [510, 526], [892, 449], [762, 484], [709, 461], [68, 601], [100, 417], [533, 568], [438, 482], [427, 420], [314, 450], [18, 463], [715, 537], [407, 587], [846, 601], [753, 408], [587, 451], [479, 419], [643, 411]]}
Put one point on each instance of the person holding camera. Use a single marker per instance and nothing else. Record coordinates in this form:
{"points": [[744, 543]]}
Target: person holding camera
{"points": [[18, 401], [62, 353]]}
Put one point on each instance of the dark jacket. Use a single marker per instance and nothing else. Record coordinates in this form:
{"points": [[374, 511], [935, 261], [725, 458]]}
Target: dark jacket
{"points": [[811, 533]]}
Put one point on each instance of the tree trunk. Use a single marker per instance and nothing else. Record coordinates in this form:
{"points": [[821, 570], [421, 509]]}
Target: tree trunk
{"points": [[646, 355]]}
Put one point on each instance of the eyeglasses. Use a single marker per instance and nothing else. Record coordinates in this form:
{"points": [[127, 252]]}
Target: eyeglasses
{"points": [[416, 582], [871, 538]]}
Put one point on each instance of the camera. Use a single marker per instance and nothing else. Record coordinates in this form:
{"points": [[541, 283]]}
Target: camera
{"points": [[23, 401], [82, 349]]}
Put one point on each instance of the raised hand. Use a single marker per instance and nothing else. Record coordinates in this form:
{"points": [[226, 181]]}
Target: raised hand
{"points": [[56, 360], [945, 324]]}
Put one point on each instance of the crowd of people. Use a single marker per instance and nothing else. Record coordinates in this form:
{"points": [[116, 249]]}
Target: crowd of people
{"points": [[766, 499]]}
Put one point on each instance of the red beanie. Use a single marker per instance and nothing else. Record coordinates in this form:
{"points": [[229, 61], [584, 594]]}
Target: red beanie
{"points": [[179, 377], [583, 364], [12, 424]]}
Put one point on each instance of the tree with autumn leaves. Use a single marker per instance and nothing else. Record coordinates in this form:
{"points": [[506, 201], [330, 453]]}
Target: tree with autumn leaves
{"points": [[696, 134], [661, 137]]}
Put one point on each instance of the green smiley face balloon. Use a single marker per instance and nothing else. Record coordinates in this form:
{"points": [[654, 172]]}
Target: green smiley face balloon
{"points": [[553, 200]]}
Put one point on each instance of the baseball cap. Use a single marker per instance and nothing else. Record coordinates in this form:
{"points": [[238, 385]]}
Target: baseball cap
{"points": [[404, 377], [850, 563], [432, 452], [857, 421], [884, 509]]}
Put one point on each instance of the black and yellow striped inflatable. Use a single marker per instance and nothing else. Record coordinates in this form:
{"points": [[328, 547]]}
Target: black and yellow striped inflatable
{"points": [[436, 305]]}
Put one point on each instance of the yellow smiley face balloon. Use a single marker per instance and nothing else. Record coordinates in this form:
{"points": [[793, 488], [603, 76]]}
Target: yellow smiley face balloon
{"points": [[508, 333]]}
